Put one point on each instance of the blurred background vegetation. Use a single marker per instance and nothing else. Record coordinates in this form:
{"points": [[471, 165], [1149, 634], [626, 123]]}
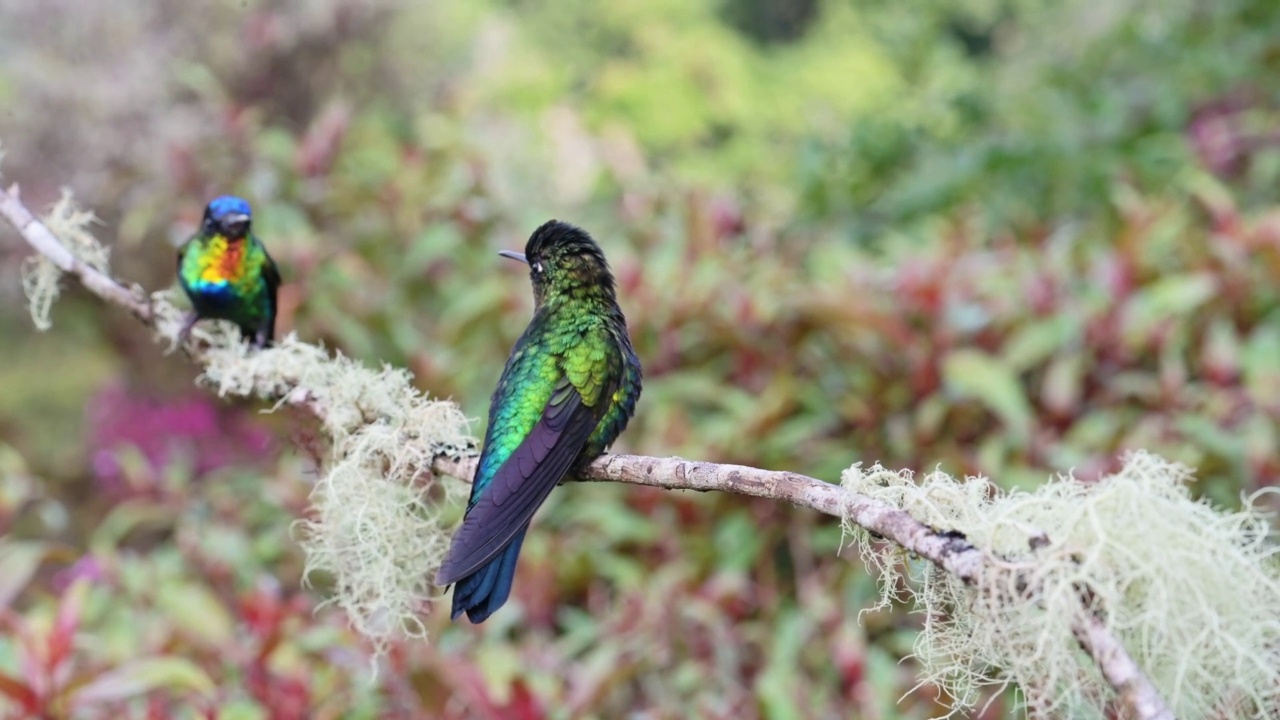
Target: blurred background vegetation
{"points": [[1006, 237]]}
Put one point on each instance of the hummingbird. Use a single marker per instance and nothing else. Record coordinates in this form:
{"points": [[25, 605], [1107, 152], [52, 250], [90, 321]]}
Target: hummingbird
{"points": [[227, 273], [566, 393]]}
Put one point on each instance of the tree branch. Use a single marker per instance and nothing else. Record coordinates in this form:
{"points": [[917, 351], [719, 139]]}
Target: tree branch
{"points": [[47, 244], [949, 551]]}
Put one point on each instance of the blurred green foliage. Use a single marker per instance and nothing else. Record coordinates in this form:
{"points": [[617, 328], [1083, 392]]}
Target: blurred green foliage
{"points": [[1010, 237]]}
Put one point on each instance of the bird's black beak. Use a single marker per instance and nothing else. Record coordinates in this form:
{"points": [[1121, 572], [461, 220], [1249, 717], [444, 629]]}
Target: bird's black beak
{"points": [[514, 255], [235, 226]]}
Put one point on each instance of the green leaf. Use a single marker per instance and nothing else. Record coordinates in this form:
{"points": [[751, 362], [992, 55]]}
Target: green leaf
{"points": [[1166, 299], [930, 413], [195, 610], [883, 680], [738, 543], [241, 710], [18, 563], [140, 677], [975, 374], [1062, 390], [778, 683], [437, 241], [500, 665], [1260, 361], [124, 519], [1037, 341], [1210, 435]]}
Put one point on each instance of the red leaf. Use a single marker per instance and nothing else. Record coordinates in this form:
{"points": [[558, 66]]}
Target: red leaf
{"points": [[64, 626], [524, 704], [261, 610], [20, 693], [269, 645]]}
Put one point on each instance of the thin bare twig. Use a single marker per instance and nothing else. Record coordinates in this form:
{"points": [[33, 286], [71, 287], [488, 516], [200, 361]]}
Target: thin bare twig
{"points": [[47, 244], [949, 551]]}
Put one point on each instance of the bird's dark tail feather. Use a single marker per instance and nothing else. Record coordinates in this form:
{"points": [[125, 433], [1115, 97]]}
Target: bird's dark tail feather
{"points": [[482, 592], [263, 337]]}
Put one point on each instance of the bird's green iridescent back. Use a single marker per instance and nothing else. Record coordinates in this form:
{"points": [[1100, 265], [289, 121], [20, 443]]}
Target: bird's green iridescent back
{"points": [[229, 280], [576, 344]]}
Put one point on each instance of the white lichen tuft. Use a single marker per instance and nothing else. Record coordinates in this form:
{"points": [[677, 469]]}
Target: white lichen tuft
{"points": [[380, 539], [373, 529], [40, 276], [375, 526], [1192, 591]]}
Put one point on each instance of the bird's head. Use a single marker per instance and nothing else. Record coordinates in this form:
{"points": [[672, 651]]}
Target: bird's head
{"points": [[565, 263], [228, 216]]}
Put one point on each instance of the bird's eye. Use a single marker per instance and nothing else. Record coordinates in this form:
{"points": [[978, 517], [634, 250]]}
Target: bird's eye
{"points": [[537, 267]]}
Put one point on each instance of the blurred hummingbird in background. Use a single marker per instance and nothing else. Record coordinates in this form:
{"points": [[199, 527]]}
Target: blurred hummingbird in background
{"points": [[566, 393], [227, 273]]}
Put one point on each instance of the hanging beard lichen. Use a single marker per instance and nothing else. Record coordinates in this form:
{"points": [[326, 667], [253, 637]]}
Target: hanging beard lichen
{"points": [[374, 528], [40, 277], [1190, 590]]}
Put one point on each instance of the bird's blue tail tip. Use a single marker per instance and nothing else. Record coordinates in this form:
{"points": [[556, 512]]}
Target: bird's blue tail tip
{"points": [[481, 593]]}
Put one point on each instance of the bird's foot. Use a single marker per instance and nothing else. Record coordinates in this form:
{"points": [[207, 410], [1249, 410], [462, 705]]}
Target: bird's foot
{"points": [[184, 334]]}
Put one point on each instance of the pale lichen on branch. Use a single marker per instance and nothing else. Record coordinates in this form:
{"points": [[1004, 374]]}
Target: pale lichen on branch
{"points": [[1189, 589], [75, 252], [375, 525]]}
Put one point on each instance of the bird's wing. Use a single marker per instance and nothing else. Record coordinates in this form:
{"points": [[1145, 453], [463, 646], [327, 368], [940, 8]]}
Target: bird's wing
{"points": [[183, 249], [271, 275], [523, 482], [272, 278]]}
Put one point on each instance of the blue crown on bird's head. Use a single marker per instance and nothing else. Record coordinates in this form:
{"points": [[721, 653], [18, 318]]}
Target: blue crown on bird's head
{"points": [[225, 205], [228, 216]]}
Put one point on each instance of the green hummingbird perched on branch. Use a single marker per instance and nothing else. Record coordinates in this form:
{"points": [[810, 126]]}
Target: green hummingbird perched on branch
{"points": [[566, 393], [227, 273]]}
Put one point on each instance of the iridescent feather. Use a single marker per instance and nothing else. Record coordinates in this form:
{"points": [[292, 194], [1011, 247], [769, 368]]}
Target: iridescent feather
{"points": [[566, 393], [227, 273]]}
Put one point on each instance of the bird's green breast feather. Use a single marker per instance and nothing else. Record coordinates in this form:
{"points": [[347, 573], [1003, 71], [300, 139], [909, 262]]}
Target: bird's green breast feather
{"points": [[211, 264], [622, 401]]}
